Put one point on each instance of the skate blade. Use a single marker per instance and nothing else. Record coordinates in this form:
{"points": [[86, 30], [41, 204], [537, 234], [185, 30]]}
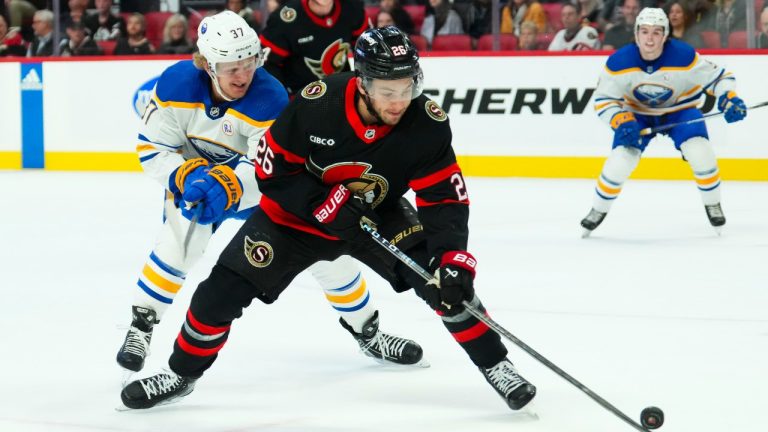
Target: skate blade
{"points": [[718, 230], [586, 233], [123, 408], [423, 364]]}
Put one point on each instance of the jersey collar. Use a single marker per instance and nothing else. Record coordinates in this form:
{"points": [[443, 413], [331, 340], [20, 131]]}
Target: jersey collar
{"points": [[327, 21], [367, 133]]}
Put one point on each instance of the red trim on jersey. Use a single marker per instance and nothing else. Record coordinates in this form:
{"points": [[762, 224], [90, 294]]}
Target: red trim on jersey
{"points": [[277, 149], [434, 178], [420, 202], [195, 351], [471, 333], [204, 328], [363, 27], [327, 21], [376, 132], [275, 49], [279, 216]]}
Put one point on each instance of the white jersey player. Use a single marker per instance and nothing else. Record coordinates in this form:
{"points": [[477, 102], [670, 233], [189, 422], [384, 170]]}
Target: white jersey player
{"points": [[654, 82], [199, 137], [574, 36]]}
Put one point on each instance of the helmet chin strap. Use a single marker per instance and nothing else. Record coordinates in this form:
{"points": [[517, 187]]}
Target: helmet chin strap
{"points": [[216, 85]]}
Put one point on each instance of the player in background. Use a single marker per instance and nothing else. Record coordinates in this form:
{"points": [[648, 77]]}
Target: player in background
{"points": [[200, 134], [345, 151], [653, 82], [310, 39]]}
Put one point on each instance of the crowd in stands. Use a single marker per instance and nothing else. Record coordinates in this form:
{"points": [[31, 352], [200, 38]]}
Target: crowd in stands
{"points": [[96, 27]]}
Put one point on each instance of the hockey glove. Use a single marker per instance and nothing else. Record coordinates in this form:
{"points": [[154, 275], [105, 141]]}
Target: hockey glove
{"points": [[218, 188], [453, 282], [626, 130], [342, 212], [734, 107]]}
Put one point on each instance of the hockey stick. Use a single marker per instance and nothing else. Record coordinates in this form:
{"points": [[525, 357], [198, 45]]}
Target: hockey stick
{"points": [[198, 210], [501, 331], [653, 130]]}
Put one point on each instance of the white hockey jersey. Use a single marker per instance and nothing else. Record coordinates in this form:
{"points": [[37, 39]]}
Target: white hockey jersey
{"points": [[673, 82], [585, 39], [182, 122]]}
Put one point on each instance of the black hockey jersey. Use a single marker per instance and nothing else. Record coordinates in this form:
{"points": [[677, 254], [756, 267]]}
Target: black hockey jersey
{"points": [[306, 47], [319, 141]]}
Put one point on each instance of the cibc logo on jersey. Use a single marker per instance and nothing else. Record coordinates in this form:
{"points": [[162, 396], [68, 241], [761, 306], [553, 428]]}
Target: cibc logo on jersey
{"points": [[259, 253]]}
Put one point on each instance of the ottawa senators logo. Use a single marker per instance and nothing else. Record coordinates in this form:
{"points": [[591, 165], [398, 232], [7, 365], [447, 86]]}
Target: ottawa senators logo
{"points": [[287, 14], [259, 254], [356, 177], [434, 111], [333, 59], [314, 90]]}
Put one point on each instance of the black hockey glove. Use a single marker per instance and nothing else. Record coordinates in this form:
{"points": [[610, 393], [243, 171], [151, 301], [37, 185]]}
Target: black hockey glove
{"points": [[341, 213], [453, 282]]}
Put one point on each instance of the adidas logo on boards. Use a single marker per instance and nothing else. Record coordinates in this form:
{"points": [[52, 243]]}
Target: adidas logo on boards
{"points": [[31, 81]]}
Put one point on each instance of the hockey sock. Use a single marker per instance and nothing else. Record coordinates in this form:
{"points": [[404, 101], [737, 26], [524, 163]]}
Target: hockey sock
{"points": [[158, 285], [616, 170], [345, 289], [482, 344], [700, 156]]}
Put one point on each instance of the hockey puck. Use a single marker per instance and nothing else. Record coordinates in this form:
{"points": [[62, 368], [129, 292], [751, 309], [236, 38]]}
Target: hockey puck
{"points": [[652, 417]]}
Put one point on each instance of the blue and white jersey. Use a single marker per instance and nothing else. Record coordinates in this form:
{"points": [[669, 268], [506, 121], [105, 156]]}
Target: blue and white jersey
{"points": [[182, 122], [673, 82]]}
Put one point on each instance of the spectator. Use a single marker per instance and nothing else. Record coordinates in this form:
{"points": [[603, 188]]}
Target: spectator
{"points": [[241, 8], [620, 35], [442, 21], [383, 19], [103, 24], [590, 12], [21, 12], [516, 12], [762, 39], [402, 19], [574, 36], [76, 13], [11, 42], [681, 19], [42, 44], [727, 16], [135, 43], [175, 36], [529, 36], [78, 42], [478, 20]]}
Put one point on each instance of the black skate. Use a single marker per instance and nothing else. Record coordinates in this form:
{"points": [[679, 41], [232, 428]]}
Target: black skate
{"points": [[716, 216], [513, 388], [592, 221], [136, 345], [160, 389], [387, 348]]}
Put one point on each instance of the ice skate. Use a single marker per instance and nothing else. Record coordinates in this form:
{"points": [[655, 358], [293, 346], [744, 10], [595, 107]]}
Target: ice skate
{"points": [[715, 216], [592, 221], [136, 345], [160, 389], [385, 347], [513, 388]]}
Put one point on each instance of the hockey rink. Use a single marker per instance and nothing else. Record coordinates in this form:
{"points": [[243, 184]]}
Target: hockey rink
{"points": [[654, 309]]}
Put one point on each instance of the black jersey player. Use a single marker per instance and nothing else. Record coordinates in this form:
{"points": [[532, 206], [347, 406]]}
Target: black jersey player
{"points": [[310, 39], [347, 149]]}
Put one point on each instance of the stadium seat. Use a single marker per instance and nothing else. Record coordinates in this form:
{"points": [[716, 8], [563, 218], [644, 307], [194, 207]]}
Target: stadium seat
{"points": [[508, 42], [370, 14], [711, 39], [194, 23], [417, 13], [455, 42], [553, 15], [737, 40], [544, 39], [107, 46], [155, 24], [419, 41]]}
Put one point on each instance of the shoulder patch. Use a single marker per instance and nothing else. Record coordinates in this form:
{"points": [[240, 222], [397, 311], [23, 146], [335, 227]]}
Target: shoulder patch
{"points": [[314, 90], [288, 14], [434, 111]]}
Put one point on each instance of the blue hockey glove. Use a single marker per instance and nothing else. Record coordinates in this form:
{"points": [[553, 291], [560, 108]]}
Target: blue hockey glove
{"points": [[626, 130], [218, 188], [734, 107]]}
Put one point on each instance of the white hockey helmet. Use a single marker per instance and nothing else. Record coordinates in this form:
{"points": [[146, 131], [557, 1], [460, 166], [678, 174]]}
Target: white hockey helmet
{"points": [[226, 37], [652, 17]]}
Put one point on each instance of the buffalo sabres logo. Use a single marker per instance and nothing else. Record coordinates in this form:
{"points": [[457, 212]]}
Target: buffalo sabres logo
{"points": [[314, 90], [356, 177], [652, 95], [332, 60], [434, 111], [259, 253], [287, 14], [213, 151]]}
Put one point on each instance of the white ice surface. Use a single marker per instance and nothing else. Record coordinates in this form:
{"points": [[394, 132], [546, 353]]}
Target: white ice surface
{"points": [[654, 309]]}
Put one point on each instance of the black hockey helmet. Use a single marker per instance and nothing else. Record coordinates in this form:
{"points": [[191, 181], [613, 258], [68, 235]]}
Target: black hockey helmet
{"points": [[387, 54]]}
